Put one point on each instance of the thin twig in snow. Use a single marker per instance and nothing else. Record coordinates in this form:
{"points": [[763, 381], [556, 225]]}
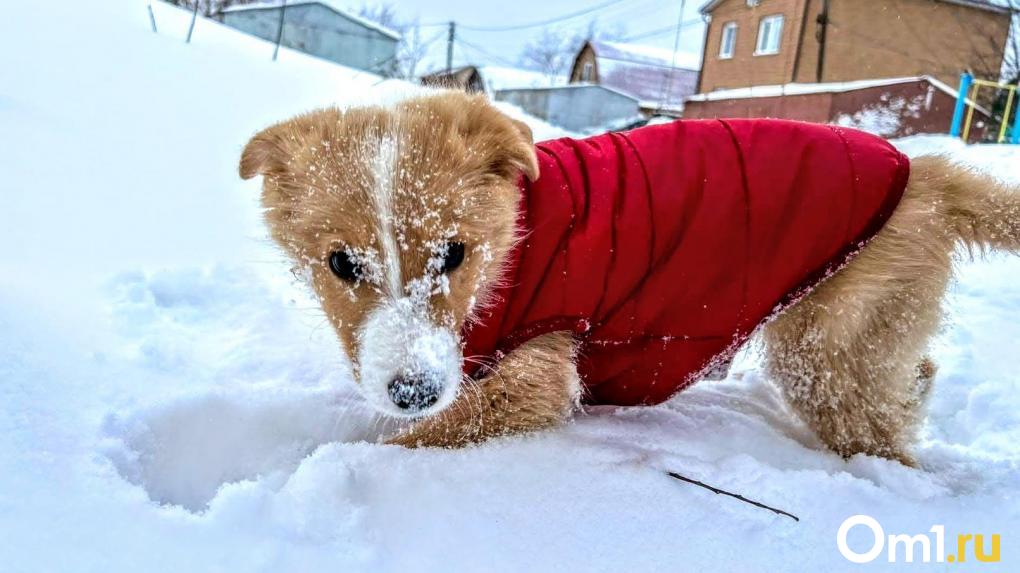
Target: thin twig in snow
{"points": [[716, 490]]}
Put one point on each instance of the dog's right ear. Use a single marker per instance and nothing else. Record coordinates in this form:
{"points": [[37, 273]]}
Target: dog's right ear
{"points": [[263, 154]]}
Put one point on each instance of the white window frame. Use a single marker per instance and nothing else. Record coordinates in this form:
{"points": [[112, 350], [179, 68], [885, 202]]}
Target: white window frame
{"points": [[729, 32], [770, 35], [587, 71]]}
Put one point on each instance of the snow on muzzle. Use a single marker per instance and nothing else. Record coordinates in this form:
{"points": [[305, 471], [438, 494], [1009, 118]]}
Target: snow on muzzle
{"points": [[408, 366]]}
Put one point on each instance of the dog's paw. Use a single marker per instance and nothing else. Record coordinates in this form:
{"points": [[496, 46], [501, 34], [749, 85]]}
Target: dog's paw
{"points": [[406, 440], [434, 432]]}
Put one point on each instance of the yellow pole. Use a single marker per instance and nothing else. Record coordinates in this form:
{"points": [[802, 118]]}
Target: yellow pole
{"points": [[970, 114], [1005, 115], [989, 84]]}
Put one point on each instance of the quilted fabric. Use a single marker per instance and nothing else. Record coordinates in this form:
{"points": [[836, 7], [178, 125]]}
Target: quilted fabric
{"points": [[663, 248]]}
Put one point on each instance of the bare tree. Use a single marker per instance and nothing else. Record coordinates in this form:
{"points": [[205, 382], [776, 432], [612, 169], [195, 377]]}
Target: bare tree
{"points": [[383, 14], [553, 51], [549, 52], [411, 49], [411, 52]]}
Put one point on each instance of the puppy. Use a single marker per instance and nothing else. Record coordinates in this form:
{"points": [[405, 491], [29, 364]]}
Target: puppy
{"points": [[484, 288]]}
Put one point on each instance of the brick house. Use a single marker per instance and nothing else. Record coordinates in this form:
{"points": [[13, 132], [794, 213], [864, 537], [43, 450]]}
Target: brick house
{"points": [[767, 42]]}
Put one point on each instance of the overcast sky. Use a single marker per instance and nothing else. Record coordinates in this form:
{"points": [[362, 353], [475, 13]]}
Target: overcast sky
{"points": [[653, 21]]}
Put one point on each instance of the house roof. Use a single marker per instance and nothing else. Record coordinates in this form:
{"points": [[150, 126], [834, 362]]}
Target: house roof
{"points": [[833, 87], [1000, 6], [645, 72], [334, 6], [461, 77], [573, 87], [649, 55], [498, 78], [502, 78]]}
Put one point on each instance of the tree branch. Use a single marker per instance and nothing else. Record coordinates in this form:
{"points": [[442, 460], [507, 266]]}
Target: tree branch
{"points": [[716, 490]]}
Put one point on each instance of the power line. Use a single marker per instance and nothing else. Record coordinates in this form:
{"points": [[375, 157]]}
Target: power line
{"points": [[461, 41], [661, 31], [620, 14], [536, 24], [676, 48]]}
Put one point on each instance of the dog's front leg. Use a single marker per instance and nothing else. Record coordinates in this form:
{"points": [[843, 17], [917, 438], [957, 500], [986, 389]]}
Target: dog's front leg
{"points": [[534, 387]]}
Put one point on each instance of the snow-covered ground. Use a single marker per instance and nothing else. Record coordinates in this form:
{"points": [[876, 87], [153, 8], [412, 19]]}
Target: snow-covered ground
{"points": [[172, 400]]}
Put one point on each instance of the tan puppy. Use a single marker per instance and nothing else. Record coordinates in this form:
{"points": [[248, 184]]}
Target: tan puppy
{"points": [[404, 217]]}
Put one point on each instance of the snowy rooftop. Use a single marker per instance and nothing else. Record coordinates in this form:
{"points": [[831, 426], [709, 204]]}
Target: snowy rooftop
{"points": [[502, 78], [495, 78], [648, 55], [1002, 6], [653, 75], [334, 6], [798, 89], [169, 401], [832, 87], [577, 86]]}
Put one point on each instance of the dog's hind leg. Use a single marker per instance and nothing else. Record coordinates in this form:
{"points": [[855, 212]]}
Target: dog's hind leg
{"points": [[850, 356]]}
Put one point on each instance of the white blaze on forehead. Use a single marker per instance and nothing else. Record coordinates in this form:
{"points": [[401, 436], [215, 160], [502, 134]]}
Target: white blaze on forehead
{"points": [[398, 339], [384, 180]]}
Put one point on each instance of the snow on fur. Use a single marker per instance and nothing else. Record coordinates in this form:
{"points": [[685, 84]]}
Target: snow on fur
{"points": [[172, 399]]}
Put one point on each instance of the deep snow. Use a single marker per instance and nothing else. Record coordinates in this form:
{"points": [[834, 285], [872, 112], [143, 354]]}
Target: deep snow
{"points": [[172, 400]]}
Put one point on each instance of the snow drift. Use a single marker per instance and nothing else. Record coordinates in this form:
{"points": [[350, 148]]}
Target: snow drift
{"points": [[171, 399]]}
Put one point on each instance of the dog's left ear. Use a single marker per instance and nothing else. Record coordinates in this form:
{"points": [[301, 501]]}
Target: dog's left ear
{"points": [[523, 155]]}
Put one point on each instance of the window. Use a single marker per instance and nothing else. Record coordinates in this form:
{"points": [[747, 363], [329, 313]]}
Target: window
{"points": [[770, 32], [729, 41], [586, 72]]}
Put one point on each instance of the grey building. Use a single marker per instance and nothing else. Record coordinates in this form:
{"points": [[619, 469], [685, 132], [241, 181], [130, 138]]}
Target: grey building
{"points": [[660, 79], [576, 107], [322, 29]]}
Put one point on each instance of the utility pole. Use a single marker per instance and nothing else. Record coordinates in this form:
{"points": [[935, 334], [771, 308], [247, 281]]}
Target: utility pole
{"points": [[668, 81], [191, 27], [152, 19], [823, 25], [449, 46], [279, 29]]}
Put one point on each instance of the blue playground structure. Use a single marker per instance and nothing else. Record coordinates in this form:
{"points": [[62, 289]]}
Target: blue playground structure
{"points": [[965, 103]]}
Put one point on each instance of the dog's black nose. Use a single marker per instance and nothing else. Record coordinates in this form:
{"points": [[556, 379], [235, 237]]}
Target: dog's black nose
{"points": [[414, 392]]}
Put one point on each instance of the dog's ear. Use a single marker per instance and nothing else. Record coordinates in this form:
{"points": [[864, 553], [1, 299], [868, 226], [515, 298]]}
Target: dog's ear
{"points": [[523, 155], [263, 154], [508, 142]]}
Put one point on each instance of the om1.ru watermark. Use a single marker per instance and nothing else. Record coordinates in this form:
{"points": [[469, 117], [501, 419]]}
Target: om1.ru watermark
{"points": [[915, 547]]}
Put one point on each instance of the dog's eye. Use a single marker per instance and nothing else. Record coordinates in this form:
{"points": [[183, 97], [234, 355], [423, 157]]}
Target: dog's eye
{"points": [[342, 266], [453, 258]]}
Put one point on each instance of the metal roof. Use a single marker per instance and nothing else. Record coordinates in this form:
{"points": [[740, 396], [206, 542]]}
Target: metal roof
{"points": [[998, 6], [339, 10]]}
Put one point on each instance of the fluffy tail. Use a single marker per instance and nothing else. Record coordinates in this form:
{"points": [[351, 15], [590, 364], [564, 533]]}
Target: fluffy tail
{"points": [[983, 211]]}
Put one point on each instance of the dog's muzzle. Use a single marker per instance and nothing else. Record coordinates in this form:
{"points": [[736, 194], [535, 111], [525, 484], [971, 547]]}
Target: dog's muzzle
{"points": [[409, 367]]}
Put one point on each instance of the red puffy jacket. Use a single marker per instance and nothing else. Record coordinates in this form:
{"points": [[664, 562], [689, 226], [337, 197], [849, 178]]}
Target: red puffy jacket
{"points": [[663, 248]]}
